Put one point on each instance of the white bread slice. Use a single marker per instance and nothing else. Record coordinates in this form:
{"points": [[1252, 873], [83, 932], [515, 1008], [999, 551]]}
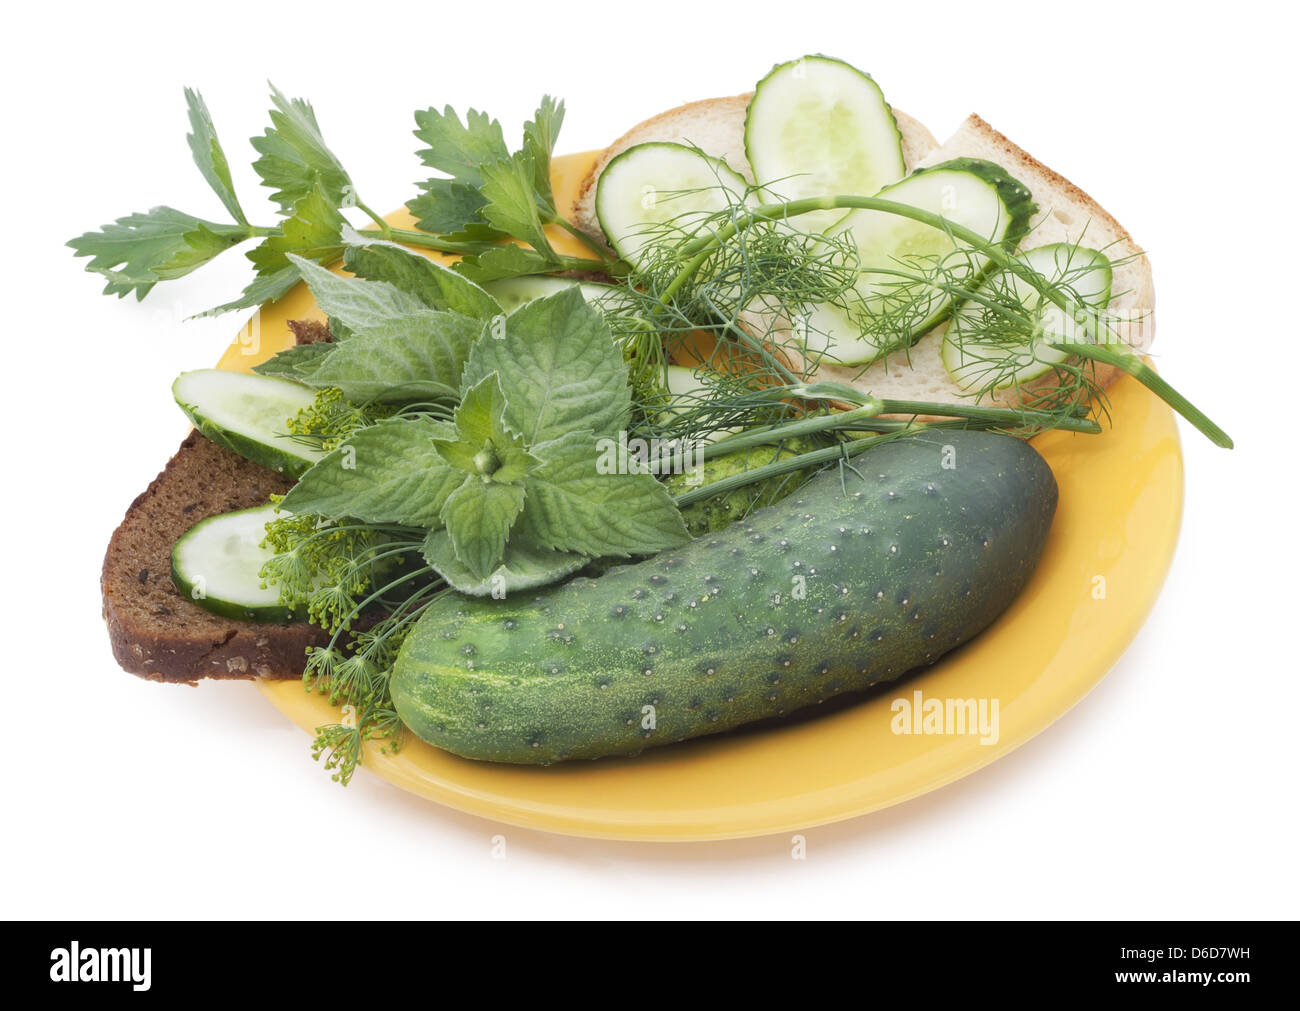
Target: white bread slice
{"points": [[1065, 214], [717, 127]]}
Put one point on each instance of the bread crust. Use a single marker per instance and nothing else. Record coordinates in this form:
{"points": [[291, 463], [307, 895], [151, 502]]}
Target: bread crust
{"points": [[156, 632]]}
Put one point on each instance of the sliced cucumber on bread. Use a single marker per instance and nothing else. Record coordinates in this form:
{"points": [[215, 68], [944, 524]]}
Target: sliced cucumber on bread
{"points": [[248, 414], [974, 355], [817, 126], [216, 564], [898, 257], [663, 191]]}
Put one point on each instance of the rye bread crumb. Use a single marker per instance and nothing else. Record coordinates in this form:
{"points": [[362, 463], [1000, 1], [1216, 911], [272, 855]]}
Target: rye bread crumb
{"points": [[310, 331]]}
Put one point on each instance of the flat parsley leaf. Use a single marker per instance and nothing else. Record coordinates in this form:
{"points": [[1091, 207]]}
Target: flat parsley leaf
{"points": [[459, 149], [209, 156], [501, 262], [262, 290], [136, 252], [451, 208], [388, 472], [512, 208], [314, 231], [540, 134], [559, 369], [295, 158]]}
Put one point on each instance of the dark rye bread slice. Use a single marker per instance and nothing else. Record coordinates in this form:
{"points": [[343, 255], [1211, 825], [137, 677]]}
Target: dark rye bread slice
{"points": [[156, 631]]}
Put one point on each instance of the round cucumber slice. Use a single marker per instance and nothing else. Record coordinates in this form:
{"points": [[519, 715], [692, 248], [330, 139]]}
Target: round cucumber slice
{"points": [[975, 360], [976, 194], [662, 190], [818, 126], [217, 561], [512, 292], [248, 414]]}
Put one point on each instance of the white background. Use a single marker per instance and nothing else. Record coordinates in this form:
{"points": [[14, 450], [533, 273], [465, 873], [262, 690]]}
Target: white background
{"points": [[1169, 792]]}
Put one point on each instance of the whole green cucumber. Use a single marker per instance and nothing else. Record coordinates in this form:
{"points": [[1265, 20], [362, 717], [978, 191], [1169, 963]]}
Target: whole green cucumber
{"points": [[870, 570]]}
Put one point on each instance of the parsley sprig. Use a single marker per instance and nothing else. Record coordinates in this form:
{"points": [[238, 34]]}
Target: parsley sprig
{"points": [[486, 200]]}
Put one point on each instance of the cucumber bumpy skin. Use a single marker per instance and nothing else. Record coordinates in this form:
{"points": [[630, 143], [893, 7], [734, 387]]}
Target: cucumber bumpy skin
{"points": [[867, 572]]}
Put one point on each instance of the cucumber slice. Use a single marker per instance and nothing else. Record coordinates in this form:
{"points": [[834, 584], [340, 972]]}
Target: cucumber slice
{"points": [[977, 194], [248, 414], [512, 292], [973, 358], [684, 388], [217, 561], [818, 126], [653, 191]]}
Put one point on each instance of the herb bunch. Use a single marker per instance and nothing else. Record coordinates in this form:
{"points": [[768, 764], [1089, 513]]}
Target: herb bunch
{"points": [[486, 193]]}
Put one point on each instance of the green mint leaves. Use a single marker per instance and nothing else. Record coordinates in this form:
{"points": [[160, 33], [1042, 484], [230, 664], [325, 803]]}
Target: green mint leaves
{"points": [[509, 489], [389, 472], [559, 368]]}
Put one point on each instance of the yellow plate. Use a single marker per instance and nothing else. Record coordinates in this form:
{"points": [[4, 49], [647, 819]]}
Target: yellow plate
{"points": [[1109, 550]]}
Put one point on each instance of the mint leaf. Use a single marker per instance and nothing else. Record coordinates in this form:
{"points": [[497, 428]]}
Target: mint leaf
{"points": [[485, 446], [559, 369], [419, 356], [574, 507], [478, 516], [436, 286], [209, 156], [540, 134], [313, 231], [512, 204], [131, 251], [354, 303], [459, 149], [523, 567], [388, 472], [295, 158], [502, 262], [298, 362]]}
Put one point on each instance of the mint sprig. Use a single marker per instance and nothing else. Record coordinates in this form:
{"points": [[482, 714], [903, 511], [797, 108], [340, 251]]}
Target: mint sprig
{"points": [[513, 478]]}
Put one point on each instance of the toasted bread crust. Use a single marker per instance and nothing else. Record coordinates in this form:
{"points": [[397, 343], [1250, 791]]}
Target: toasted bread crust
{"points": [[158, 633], [1021, 163]]}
